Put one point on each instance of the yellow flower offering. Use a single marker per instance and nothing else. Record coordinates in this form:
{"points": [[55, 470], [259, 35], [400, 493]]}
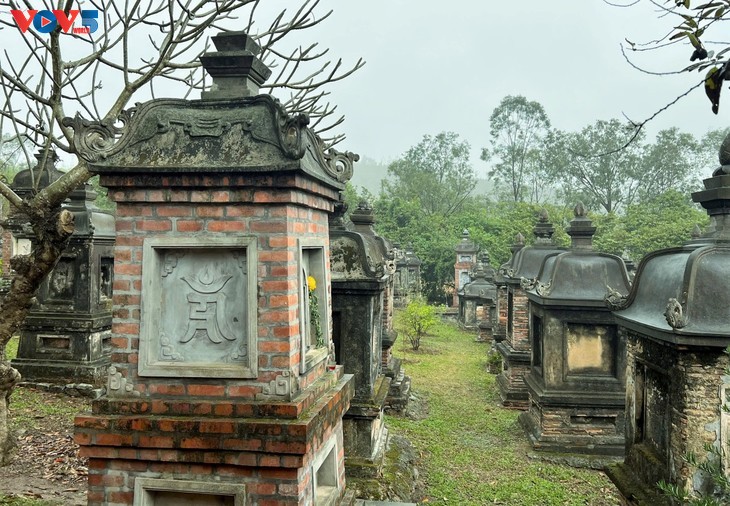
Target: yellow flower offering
{"points": [[311, 283]]}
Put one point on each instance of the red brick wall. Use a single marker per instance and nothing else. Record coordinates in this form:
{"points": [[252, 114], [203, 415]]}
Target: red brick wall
{"points": [[519, 338], [277, 218]]}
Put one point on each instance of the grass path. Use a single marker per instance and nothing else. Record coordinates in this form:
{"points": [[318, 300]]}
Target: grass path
{"points": [[473, 452]]}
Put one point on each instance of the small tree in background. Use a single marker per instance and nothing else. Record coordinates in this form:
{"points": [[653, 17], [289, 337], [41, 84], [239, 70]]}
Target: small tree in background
{"points": [[416, 320]]}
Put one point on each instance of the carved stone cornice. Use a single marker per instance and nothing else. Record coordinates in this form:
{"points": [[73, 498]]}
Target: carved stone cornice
{"points": [[96, 141]]}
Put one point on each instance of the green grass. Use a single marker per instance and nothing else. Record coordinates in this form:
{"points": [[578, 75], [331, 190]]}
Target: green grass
{"points": [[24, 501], [31, 408], [11, 350], [474, 452]]}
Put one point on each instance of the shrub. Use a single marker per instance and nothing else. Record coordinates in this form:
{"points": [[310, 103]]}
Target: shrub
{"points": [[416, 320]]}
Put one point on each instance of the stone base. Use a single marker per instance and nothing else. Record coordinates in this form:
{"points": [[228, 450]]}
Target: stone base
{"points": [[365, 435], [265, 452], [511, 381], [400, 388], [62, 372], [633, 491], [575, 428]]}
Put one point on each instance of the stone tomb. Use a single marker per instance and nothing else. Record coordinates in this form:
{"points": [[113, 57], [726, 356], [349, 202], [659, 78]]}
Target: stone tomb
{"points": [[66, 336], [466, 259], [677, 326], [578, 364], [407, 283], [515, 349], [221, 391], [477, 302], [362, 266]]}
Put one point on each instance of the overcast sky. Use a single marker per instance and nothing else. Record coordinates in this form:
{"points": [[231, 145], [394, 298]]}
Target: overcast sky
{"points": [[435, 66]]}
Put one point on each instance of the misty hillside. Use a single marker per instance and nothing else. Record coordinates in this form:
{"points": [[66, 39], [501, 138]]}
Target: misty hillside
{"points": [[369, 173]]}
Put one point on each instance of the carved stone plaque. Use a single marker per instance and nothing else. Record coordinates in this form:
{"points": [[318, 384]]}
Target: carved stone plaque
{"points": [[199, 308]]}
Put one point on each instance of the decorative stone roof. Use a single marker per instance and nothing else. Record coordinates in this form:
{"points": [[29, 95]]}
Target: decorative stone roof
{"points": [[508, 266], [24, 181], [579, 276], [408, 258], [466, 245], [480, 287], [229, 130], [356, 252], [681, 295], [526, 262]]}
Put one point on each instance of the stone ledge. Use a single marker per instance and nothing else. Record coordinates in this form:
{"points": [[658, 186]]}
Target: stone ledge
{"points": [[198, 437]]}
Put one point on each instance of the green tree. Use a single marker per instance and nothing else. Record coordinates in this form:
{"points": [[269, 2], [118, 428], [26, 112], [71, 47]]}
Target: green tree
{"points": [[416, 320], [436, 173], [597, 165], [518, 130], [664, 221], [671, 162], [708, 149]]}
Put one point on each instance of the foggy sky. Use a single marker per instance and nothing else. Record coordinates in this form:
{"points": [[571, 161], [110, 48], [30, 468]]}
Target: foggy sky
{"points": [[435, 66]]}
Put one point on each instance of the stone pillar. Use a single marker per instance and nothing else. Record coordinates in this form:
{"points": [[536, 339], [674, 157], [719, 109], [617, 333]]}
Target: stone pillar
{"points": [[66, 336], [515, 349], [578, 361], [677, 327], [223, 387], [466, 252], [362, 268]]}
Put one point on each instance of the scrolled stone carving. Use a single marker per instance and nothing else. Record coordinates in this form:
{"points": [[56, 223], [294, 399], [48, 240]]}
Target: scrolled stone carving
{"points": [[615, 300], [94, 140], [528, 284], [340, 164], [674, 313], [290, 131], [543, 289]]}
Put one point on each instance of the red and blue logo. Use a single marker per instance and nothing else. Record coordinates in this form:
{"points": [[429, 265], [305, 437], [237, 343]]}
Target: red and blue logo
{"points": [[45, 21]]}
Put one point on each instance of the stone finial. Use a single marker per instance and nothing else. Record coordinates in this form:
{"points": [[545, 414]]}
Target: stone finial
{"points": [[363, 218], [715, 198], [43, 173], [519, 239], [543, 230], [581, 229], [235, 67], [465, 234], [724, 156]]}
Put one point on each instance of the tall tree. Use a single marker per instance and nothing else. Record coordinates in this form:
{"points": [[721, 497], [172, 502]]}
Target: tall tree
{"points": [[436, 173], [597, 164], [671, 162], [135, 48], [518, 129]]}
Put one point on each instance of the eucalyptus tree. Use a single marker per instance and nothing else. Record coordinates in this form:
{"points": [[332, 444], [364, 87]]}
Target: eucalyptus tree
{"points": [[518, 131]]}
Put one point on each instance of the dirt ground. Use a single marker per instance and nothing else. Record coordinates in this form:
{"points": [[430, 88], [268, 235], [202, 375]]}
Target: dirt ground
{"points": [[46, 464]]}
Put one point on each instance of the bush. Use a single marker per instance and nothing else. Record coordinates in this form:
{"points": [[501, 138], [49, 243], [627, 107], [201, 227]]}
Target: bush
{"points": [[416, 320]]}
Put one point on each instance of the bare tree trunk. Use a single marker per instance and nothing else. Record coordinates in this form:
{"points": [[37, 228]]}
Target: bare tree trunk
{"points": [[52, 230]]}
